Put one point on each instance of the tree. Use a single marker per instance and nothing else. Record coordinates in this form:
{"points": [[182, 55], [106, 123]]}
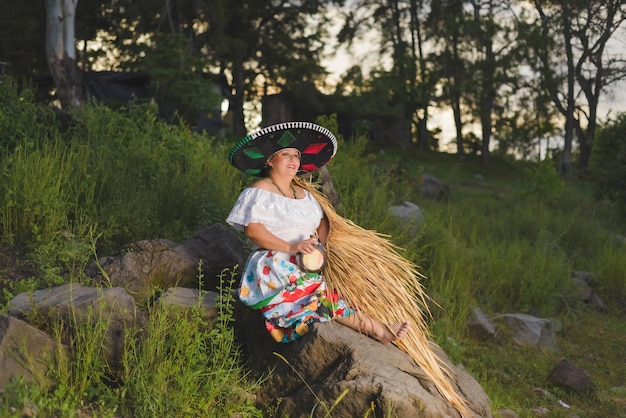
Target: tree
{"points": [[478, 63], [494, 64], [26, 58], [608, 162], [61, 52], [404, 75], [267, 47], [575, 65], [446, 23], [258, 45]]}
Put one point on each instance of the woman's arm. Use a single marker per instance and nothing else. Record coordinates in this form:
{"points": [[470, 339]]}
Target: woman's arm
{"points": [[265, 239], [322, 230]]}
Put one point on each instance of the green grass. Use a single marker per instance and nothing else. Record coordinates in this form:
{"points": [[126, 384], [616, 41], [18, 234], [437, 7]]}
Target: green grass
{"points": [[178, 365], [505, 241]]}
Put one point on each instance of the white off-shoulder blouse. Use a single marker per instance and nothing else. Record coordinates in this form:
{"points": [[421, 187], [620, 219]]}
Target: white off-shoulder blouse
{"points": [[292, 220]]}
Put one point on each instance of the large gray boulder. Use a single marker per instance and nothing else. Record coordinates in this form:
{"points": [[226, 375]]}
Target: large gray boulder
{"points": [[158, 264], [25, 351], [409, 214], [431, 186], [526, 329], [76, 305], [315, 371], [479, 325], [186, 298]]}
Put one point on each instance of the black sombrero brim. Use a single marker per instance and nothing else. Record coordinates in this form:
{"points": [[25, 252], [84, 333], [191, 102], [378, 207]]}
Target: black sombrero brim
{"points": [[316, 144]]}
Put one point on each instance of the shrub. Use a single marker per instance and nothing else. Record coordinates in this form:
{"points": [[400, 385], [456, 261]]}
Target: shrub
{"points": [[608, 161], [121, 174], [21, 119]]}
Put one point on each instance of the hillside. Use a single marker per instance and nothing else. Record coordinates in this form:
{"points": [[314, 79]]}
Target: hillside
{"points": [[505, 239], [516, 377]]}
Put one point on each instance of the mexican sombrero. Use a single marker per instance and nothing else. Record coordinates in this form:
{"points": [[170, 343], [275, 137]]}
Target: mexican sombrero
{"points": [[316, 144]]}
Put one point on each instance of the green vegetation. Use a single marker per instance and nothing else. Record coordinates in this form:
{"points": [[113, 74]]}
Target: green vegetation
{"points": [[608, 161], [505, 241], [183, 366]]}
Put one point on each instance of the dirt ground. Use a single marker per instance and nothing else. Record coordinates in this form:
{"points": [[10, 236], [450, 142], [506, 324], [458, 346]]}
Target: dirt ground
{"points": [[14, 265]]}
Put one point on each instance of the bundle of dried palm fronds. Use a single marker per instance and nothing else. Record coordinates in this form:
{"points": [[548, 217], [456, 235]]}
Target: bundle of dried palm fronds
{"points": [[368, 271]]}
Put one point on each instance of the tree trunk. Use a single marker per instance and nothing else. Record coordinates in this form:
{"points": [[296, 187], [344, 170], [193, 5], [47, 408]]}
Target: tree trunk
{"points": [[456, 88], [566, 161], [486, 131], [423, 136], [239, 125], [458, 123], [61, 51]]}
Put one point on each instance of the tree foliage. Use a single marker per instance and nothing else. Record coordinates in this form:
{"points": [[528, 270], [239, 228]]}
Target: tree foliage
{"points": [[513, 74], [574, 62], [608, 161]]}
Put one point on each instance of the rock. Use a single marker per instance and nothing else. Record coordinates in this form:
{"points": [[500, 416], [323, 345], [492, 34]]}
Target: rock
{"points": [[186, 298], [586, 276], [151, 264], [539, 411], [409, 213], [430, 186], [529, 330], [597, 303], [219, 248], [570, 377], [479, 325], [25, 351], [544, 394], [584, 291], [506, 413], [323, 178], [77, 305], [332, 359], [619, 391], [328, 188]]}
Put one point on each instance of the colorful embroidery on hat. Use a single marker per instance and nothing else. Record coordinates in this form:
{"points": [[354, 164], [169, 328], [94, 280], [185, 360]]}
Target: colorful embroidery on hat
{"points": [[286, 139], [253, 153], [316, 144], [314, 148]]}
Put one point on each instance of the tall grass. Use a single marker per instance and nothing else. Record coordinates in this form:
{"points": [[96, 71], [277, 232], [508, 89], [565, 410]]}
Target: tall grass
{"points": [[21, 119], [513, 250], [111, 177], [121, 172], [179, 365], [184, 367]]}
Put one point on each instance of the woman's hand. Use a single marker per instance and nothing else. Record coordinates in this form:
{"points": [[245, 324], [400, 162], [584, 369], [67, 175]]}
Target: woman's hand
{"points": [[306, 246]]}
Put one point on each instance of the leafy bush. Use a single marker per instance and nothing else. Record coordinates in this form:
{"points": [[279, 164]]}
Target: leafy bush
{"points": [[122, 174], [608, 161], [543, 181], [184, 367], [21, 120]]}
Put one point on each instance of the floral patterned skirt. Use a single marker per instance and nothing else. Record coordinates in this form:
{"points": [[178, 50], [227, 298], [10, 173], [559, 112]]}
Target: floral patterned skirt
{"points": [[290, 299]]}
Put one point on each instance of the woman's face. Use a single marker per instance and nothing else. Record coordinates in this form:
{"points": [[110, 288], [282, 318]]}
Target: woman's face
{"points": [[285, 161]]}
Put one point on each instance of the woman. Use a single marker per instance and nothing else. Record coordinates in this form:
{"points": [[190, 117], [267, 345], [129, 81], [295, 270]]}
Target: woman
{"points": [[282, 220]]}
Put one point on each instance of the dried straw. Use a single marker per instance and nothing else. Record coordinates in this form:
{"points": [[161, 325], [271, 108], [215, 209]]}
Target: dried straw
{"points": [[368, 271]]}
